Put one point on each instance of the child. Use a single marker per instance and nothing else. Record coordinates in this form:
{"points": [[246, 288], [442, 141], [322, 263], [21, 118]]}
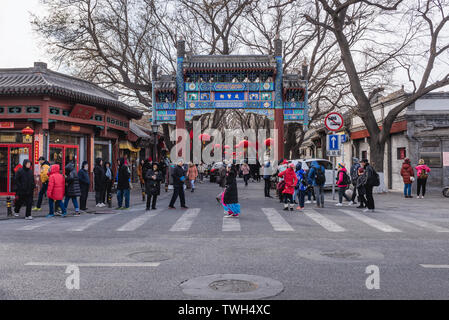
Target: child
{"points": [[229, 198]]}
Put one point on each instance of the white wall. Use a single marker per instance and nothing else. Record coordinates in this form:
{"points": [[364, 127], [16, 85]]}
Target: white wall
{"points": [[432, 104]]}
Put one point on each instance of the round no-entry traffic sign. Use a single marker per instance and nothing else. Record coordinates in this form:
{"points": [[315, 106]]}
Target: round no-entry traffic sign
{"points": [[333, 121]]}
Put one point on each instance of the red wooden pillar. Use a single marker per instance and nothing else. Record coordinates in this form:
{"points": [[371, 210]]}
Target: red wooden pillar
{"points": [[279, 126], [180, 125]]}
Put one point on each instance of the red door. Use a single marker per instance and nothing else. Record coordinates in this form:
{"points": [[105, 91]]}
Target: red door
{"points": [[11, 155]]}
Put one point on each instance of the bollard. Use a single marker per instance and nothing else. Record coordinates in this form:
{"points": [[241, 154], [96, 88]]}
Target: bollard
{"points": [[9, 206], [109, 200]]}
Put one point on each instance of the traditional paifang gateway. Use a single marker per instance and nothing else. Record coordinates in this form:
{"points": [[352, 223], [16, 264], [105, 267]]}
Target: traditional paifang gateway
{"points": [[254, 83]]}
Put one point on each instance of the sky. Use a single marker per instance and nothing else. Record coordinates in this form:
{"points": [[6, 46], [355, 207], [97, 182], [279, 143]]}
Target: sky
{"points": [[19, 45]]}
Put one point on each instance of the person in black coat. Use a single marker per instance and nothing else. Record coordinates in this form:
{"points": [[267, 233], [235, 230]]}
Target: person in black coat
{"points": [[24, 186], [230, 197], [178, 185], [153, 178], [72, 187], [84, 182], [99, 182], [109, 178], [123, 184]]}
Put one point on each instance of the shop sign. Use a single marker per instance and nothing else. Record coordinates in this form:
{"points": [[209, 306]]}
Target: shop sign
{"points": [[27, 138], [82, 112], [75, 128], [7, 125], [36, 151], [7, 138]]}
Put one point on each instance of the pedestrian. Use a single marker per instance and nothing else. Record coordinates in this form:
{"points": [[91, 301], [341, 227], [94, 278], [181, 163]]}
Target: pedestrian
{"points": [[360, 184], [56, 191], [153, 180], [290, 180], [84, 181], [123, 184], [372, 180], [258, 166], [72, 187], [408, 176], [296, 194], [100, 182], [343, 181], [354, 173], [280, 186], [141, 176], [179, 178], [13, 186], [43, 176], [301, 185], [192, 174], [109, 181], [246, 172], [317, 178], [422, 172], [229, 198], [267, 172], [24, 187], [222, 175], [201, 169]]}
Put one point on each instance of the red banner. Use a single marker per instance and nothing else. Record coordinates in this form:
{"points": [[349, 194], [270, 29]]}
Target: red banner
{"points": [[7, 125], [36, 151], [82, 112]]}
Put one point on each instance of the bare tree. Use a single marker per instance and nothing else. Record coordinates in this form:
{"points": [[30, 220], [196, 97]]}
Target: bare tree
{"points": [[421, 27]]}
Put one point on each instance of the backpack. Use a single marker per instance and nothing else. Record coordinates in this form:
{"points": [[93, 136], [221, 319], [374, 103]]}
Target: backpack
{"points": [[374, 178], [346, 179], [320, 178], [423, 174]]}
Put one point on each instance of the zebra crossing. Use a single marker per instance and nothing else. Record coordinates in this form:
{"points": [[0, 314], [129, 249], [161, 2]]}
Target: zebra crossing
{"points": [[277, 220]]}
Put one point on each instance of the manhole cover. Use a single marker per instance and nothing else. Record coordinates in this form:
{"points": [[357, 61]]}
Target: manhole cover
{"points": [[234, 286], [341, 254], [150, 256]]}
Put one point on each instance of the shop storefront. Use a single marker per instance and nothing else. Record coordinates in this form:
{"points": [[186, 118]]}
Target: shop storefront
{"points": [[62, 118]]}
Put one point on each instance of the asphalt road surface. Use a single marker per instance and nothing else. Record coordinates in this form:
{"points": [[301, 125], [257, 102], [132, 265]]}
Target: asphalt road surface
{"points": [[401, 251]]}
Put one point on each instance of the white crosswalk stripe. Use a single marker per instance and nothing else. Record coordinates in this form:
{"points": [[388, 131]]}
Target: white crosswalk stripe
{"points": [[276, 220], [231, 224], [323, 221], [371, 222], [186, 220], [90, 222], [419, 223], [138, 222], [34, 226]]}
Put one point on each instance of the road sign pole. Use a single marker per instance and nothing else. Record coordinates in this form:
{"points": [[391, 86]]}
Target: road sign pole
{"points": [[333, 177]]}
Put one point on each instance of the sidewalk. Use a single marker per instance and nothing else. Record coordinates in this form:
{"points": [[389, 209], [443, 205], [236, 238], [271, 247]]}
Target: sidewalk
{"points": [[135, 199]]}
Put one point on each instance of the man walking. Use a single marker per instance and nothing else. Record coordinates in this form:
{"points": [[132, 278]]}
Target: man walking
{"points": [[123, 185], [267, 172], [178, 185], [43, 176], [25, 185], [317, 179], [84, 181]]}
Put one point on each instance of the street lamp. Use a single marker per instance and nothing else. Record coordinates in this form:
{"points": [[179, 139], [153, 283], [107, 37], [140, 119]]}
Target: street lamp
{"points": [[155, 128]]}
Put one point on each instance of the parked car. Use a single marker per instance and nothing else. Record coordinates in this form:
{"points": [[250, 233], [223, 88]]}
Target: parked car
{"points": [[307, 163], [213, 173]]}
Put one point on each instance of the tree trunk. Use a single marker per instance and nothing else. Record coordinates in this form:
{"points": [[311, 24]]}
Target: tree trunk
{"points": [[377, 150]]}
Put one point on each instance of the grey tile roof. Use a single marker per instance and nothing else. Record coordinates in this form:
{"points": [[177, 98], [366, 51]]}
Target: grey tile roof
{"points": [[257, 62], [293, 81], [42, 81], [135, 128]]}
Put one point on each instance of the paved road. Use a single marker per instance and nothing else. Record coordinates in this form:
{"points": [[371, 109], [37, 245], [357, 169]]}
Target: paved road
{"points": [[315, 254]]}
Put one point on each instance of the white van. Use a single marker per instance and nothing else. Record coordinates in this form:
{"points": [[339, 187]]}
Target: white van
{"points": [[307, 164]]}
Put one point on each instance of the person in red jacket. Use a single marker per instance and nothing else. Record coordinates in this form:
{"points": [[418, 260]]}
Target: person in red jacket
{"points": [[408, 176], [291, 180], [56, 190], [343, 181]]}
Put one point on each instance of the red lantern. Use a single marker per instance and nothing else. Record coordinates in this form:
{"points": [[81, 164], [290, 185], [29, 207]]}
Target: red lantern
{"points": [[27, 131], [204, 137], [269, 142], [226, 147]]}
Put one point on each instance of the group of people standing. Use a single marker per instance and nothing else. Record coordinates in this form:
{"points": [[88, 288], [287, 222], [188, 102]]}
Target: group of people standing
{"points": [[408, 176]]}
